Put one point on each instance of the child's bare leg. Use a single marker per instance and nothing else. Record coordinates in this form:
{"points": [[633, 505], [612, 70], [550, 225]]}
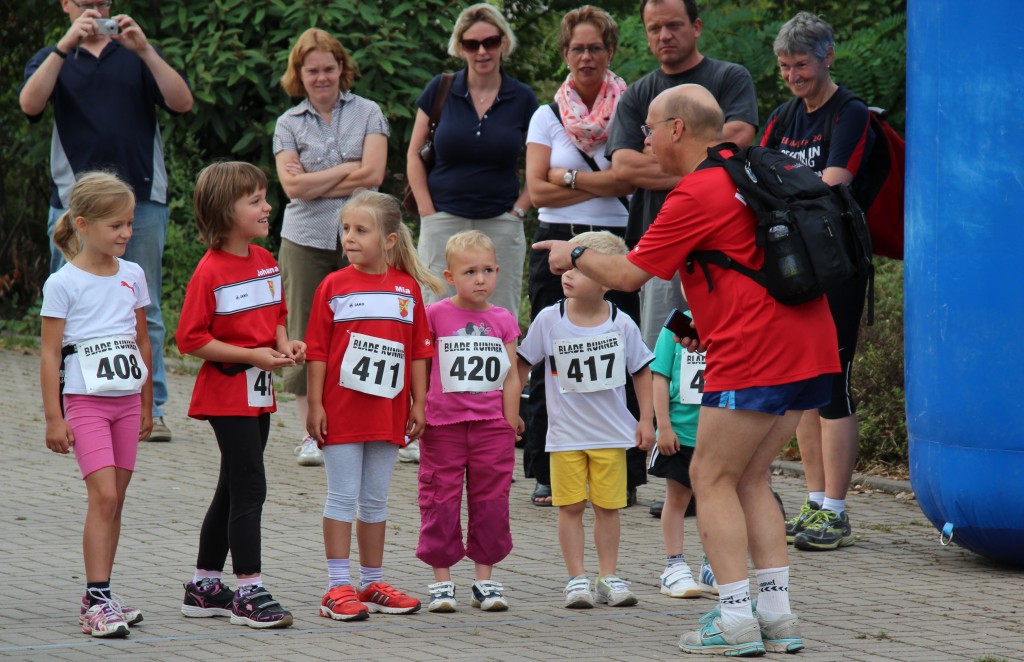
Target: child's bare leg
{"points": [[370, 538], [337, 538], [570, 536], [102, 524], [677, 498], [442, 574], [482, 571], [606, 539]]}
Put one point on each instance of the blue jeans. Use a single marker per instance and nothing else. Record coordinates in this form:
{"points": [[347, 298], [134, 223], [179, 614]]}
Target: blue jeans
{"points": [[146, 248]]}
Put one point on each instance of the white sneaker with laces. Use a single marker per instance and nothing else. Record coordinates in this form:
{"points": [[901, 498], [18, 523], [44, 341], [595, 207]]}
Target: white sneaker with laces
{"points": [[410, 453], [614, 592], [677, 582], [577, 593], [308, 453]]}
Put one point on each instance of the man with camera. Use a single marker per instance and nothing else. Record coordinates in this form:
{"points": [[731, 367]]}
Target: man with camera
{"points": [[105, 81]]}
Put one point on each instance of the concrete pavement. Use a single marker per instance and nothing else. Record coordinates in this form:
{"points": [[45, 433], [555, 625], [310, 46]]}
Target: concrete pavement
{"points": [[895, 595]]}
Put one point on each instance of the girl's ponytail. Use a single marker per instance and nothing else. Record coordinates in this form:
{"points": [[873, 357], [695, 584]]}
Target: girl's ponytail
{"points": [[65, 238], [404, 256]]}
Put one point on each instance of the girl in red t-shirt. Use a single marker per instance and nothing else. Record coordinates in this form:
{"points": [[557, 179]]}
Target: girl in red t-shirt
{"points": [[368, 350]]}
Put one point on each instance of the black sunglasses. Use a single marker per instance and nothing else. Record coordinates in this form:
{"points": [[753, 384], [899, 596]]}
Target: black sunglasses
{"points": [[489, 44]]}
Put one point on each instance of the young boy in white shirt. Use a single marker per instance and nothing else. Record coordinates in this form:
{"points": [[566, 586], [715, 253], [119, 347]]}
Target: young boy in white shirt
{"points": [[589, 346]]}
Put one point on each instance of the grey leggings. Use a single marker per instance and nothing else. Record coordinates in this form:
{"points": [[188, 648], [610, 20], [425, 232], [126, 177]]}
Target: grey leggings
{"points": [[359, 474]]}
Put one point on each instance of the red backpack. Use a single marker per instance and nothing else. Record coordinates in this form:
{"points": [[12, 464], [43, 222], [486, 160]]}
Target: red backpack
{"points": [[879, 192]]}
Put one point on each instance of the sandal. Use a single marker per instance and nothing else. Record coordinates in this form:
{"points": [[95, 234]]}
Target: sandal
{"points": [[540, 493]]}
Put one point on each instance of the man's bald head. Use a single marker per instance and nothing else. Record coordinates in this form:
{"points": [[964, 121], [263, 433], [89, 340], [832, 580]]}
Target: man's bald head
{"points": [[697, 108]]}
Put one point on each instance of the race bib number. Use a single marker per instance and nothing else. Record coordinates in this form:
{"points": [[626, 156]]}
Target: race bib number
{"points": [[113, 363], [585, 365], [374, 366], [691, 378], [259, 387], [472, 364]]}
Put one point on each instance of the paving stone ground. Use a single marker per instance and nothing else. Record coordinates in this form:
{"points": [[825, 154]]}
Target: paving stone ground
{"points": [[895, 595]]}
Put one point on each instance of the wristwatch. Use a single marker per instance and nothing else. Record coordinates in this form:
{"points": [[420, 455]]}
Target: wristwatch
{"points": [[569, 178], [575, 254]]}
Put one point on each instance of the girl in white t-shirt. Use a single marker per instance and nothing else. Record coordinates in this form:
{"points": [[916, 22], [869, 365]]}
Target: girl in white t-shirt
{"points": [[95, 375]]}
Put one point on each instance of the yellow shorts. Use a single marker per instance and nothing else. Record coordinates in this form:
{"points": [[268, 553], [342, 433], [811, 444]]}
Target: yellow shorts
{"points": [[599, 474]]}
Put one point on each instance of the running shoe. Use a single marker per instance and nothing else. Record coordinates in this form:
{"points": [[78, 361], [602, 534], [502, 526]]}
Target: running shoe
{"points": [[614, 592], [207, 598], [677, 582], [577, 593], [256, 608], [825, 530], [410, 453], [781, 635], [341, 604], [743, 640], [132, 615], [308, 453], [487, 596], [104, 620], [386, 599], [707, 577], [442, 597], [796, 524]]}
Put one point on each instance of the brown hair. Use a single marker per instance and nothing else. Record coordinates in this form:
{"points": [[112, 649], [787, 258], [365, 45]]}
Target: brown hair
{"points": [[96, 196], [311, 40], [597, 17], [387, 215], [219, 186]]}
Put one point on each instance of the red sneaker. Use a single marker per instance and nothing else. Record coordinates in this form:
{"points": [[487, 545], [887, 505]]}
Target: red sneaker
{"points": [[386, 599], [341, 604]]}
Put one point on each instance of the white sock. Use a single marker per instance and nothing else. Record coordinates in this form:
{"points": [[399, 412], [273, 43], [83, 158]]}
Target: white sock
{"points": [[368, 576], [835, 505], [249, 583], [337, 573], [734, 602], [816, 497], [773, 592], [205, 574]]}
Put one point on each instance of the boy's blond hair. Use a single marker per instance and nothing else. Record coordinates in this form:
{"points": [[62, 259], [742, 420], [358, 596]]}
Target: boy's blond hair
{"points": [[467, 240], [602, 242]]}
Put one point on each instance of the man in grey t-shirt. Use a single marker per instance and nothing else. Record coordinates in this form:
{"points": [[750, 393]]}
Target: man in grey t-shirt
{"points": [[672, 30]]}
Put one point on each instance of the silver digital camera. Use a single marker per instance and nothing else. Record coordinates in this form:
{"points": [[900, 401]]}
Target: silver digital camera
{"points": [[107, 26]]}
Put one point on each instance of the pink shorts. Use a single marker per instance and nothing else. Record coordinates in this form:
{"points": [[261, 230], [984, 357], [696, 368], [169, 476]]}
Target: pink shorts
{"points": [[106, 430]]}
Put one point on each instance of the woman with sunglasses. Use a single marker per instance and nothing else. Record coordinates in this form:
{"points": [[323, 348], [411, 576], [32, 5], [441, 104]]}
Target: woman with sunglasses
{"points": [[474, 183], [571, 182]]}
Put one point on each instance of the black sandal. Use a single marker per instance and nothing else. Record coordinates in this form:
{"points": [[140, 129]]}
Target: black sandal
{"points": [[541, 492]]}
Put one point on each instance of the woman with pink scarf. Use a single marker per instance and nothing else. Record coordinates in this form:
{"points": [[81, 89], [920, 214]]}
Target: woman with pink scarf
{"points": [[571, 183]]}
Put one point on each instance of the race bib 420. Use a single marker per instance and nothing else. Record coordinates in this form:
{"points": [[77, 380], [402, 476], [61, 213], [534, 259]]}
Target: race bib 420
{"points": [[472, 364]]}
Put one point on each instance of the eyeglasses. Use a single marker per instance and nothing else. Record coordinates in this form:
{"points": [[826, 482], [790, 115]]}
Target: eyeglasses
{"points": [[578, 51], [98, 6], [490, 44], [648, 129]]}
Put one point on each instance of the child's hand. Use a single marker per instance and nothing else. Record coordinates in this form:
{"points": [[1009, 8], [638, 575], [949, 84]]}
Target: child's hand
{"points": [[316, 423], [59, 437], [519, 426], [145, 424], [417, 421], [295, 350], [268, 358], [668, 442], [644, 435]]}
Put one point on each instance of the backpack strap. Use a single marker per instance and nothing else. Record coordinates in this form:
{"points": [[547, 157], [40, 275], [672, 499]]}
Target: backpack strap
{"points": [[586, 157], [783, 118], [561, 308]]}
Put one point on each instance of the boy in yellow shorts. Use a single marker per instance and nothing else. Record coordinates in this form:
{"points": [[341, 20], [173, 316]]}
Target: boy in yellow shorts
{"points": [[589, 347]]}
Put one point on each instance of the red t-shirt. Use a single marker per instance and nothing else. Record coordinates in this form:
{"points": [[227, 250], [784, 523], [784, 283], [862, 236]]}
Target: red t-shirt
{"points": [[238, 301], [388, 307], [752, 339]]}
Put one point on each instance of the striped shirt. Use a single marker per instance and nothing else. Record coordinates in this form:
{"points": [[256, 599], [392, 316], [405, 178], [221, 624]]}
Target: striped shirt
{"points": [[320, 146]]}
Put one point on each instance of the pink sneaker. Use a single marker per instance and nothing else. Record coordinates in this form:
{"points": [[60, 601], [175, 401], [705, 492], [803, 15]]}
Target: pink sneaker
{"points": [[104, 619]]}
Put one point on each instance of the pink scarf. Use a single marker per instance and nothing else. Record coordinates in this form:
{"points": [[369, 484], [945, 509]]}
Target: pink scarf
{"points": [[588, 128]]}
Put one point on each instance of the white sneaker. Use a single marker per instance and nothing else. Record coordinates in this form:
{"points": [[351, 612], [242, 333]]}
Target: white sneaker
{"points": [[707, 577], [308, 453], [614, 592], [442, 597], [410, 453], [487, 596], [677, 582], [577, 593]]}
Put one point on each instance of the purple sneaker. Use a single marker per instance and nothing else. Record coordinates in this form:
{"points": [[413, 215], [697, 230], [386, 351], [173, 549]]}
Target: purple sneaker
{"points": [[132, 615], [256, 608], [206, 599]]}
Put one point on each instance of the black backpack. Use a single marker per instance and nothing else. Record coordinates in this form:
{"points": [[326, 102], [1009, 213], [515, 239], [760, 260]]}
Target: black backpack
{"points": [[814, 236]]}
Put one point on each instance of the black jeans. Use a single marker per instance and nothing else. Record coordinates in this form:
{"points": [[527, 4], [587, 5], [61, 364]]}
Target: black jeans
{"points": [[545, 289], [232, 521]]}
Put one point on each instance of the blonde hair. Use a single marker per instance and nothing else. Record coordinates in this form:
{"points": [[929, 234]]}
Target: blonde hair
{"points": [[311, 40], [96, 196], [387, 215], [602, 242], [219, 186], [467, 240], [481, 13]]}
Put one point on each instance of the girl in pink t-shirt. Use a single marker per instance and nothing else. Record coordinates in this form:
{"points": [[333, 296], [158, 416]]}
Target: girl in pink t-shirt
{"points": [[472, 424]]}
